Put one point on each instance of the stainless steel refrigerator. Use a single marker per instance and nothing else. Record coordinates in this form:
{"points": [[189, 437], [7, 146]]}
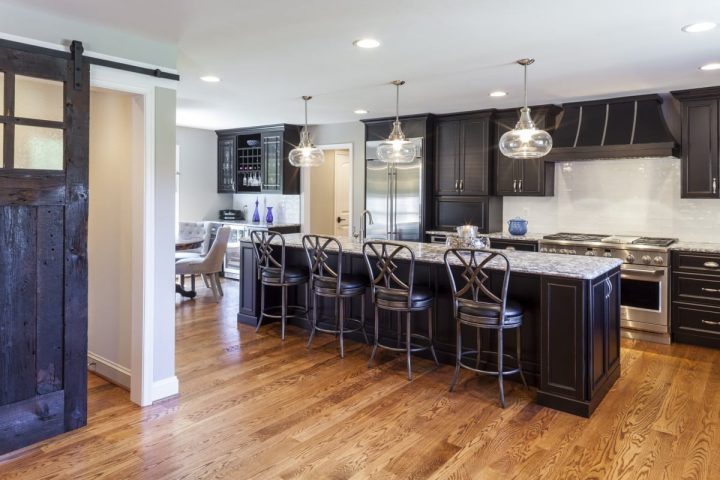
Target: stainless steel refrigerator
{"points": [[393, 194]]}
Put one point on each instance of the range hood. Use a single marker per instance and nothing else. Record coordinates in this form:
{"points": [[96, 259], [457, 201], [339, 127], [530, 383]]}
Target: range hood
{"points": [[627, 127]]}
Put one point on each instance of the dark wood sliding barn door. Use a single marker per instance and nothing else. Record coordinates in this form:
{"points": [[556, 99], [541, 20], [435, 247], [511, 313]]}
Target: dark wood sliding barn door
{"points": [[43, 244]]}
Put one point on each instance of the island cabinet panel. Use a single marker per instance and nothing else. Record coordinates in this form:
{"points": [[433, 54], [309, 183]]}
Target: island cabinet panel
{"points": [[570, 332]]}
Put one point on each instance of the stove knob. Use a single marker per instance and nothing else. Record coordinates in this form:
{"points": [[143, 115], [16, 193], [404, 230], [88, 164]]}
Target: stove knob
{"points": [[562, 251], [552, 250], [607, 255], [589, 253], [646, 259], [543, 250], [570, 252], [658, 260], [630, 258]]}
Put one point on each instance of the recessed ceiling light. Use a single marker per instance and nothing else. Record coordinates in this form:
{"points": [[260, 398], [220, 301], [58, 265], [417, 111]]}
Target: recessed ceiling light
{"points": [[498, 93], [210, 78], [366, 43], [360, 111], [711, 66], [699, 27]]}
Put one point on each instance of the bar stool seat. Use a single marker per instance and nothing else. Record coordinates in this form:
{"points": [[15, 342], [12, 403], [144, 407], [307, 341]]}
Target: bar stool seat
{"points": [[350, 285], [422, 298], [489, 315], [293, 276]]}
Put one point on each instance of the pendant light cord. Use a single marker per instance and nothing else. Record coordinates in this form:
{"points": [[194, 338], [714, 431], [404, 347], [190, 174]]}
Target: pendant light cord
{"points": [[397, 102], [525, 83], [306, 114]]}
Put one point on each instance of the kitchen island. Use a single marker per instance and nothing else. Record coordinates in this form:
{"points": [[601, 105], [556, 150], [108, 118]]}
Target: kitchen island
{"points": [[571, 323]]}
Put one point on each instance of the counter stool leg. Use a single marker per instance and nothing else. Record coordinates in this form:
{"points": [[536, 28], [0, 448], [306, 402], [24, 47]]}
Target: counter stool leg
{"points": [[217, 282], [362, 318], [375, 344], [458, 355], [430, 336], [262, 306], [313, 324], [283, 314], [342, 327], [519, 363], [399, 329], [192, 282], [307, 302], [408, 345], [500, 367], [479, 348]]}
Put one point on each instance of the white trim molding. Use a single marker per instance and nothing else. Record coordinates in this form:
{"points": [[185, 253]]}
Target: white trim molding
{"points": [[109, 370], [167, 387]]}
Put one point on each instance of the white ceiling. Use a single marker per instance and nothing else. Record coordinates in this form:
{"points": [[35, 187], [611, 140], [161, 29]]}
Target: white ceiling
{"points": [[452, 53]]}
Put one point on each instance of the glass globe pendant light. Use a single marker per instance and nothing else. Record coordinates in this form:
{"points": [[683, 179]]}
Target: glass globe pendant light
{"points": [[525, 140], [396, 149], [306, 154]]}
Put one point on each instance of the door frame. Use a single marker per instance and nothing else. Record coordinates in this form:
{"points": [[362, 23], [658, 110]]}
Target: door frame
{"points": [[143, 233], [305, 187]]}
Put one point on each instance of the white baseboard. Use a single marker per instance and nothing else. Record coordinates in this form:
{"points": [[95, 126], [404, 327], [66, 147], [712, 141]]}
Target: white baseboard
{"points": [[109, 370], [167, 387]]}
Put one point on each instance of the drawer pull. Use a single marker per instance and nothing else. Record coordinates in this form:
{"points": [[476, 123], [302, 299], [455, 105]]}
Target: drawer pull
{"points": [[711, 264], [710, 322], [710, 290]]}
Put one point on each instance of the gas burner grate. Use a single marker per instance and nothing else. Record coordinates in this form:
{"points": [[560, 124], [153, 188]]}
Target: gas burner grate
{"points": [[575, 237], [654, 241]]}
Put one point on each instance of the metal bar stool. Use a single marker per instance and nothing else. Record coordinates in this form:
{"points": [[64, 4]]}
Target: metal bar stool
{"points": [[329, 282], [475, 305], [272, 273], [390, 292]]}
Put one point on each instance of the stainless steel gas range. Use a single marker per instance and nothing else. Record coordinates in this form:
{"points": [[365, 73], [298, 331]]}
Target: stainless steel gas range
{"points": [[645, 277]]}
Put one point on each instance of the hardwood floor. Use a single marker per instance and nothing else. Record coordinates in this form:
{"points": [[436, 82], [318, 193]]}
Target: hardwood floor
{"points": [[253, 407]]}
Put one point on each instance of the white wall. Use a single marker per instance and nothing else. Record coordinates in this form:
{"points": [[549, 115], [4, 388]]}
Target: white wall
{"points": [[199, 199], [41, 25], [628, 196], [110, 235], [354, 133]]}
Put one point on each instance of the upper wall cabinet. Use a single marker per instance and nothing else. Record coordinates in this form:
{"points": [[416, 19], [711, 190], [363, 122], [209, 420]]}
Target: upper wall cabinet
{"points": [[463, 162], [700, 142], [517, 177], [256, 160]]}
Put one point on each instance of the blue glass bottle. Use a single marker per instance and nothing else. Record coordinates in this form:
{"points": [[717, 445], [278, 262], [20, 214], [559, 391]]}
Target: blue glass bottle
{"points": [[269, 216], [256, 214]]}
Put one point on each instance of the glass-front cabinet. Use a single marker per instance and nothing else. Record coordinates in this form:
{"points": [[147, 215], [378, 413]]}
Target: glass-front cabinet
{"points": [[255, 159]]}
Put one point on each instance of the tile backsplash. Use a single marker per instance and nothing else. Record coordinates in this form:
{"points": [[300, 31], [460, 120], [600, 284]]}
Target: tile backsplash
{"points": [[286, 208], [621, 197]]}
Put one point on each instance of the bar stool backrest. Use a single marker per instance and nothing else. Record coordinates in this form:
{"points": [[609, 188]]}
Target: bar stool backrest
{"points": [[262, 241], [472, 289], [322, 274], [387, 279]]}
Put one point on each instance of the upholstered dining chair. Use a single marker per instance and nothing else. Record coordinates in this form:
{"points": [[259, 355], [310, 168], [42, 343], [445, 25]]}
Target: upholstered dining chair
{"points": [[209, 265]]}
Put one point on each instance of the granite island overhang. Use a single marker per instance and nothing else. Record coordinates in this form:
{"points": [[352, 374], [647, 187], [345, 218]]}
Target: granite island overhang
{"points": [[571, 321]]}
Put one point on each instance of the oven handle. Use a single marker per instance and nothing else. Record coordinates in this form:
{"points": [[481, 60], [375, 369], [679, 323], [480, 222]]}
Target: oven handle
{"points": [[645, 272]]}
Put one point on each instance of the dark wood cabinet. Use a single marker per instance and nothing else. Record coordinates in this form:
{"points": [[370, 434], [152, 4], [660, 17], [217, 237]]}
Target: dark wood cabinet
{"points": [[462, 155], [256, 160], [604, 330], [512, 244], [700, 167], [483, 212], [227, 164], [695, 312], [518, 177]]}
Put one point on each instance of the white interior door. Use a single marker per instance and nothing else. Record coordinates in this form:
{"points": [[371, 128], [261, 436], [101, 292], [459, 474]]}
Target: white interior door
{"points": [[342, 193]]}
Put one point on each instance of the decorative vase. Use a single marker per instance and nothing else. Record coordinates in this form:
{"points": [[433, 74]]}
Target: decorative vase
{"points": [[256, 214], [517, 226], [269, 216]]}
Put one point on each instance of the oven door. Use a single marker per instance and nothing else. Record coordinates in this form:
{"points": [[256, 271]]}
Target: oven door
{"points": [[644, 298]]}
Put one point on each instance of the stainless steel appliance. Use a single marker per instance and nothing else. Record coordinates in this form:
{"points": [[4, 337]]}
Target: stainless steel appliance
{"points": [[644, 281], [393, 194]]}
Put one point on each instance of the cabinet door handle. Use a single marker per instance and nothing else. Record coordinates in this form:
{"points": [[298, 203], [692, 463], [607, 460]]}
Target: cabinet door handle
{"points": [[462, 185], [710, 290], [520, 185], [609, 288], [714, 185], [457, 185], [514, 185], [711, 264], [709, 322]]}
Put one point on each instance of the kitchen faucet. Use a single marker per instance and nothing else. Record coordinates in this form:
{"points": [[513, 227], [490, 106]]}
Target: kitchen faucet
{"points": [[363, 227]]}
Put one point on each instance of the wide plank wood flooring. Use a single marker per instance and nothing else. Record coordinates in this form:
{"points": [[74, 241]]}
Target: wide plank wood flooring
{"points": [[254, 407]]}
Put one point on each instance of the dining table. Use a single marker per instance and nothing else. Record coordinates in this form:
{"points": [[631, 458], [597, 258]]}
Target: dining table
{"points": [[184, 244]]}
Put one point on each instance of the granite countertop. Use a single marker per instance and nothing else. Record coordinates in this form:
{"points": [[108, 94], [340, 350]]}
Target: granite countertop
{"points": [[559, 265], [528, 237], [700, 247], [257, 224]]}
